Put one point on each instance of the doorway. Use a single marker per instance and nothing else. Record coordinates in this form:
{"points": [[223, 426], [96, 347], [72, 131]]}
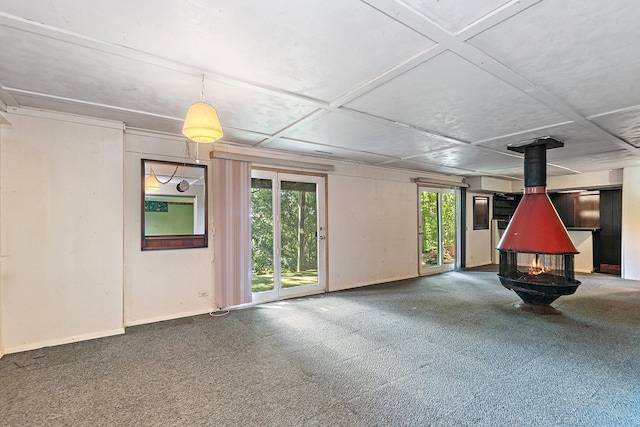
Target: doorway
{"points": [[437, 229], [288, 235]]}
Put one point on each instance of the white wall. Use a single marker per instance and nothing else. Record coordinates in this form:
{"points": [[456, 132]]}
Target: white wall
{"points": [[631, 224], [70, 223], [160, 284], [61, 216], [1, 257], [478, 243], [598, 179], [372, 226]]}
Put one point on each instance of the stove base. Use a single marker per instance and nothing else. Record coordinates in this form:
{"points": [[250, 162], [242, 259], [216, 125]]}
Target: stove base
{"points": [[538, 293]]}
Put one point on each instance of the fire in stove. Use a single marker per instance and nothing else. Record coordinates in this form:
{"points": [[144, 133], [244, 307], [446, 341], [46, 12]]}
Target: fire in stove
{"points": [[536, 252], [536, 267]]}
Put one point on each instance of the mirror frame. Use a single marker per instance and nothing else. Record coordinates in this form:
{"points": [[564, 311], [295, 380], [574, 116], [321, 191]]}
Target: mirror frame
{"points": [[182, 241]]}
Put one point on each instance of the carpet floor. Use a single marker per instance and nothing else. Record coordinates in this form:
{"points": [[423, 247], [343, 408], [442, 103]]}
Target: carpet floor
{"points": [[445, 350]]}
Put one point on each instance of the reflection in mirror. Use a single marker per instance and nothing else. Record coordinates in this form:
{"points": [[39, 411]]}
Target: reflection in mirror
{"points": [[174, 205]]}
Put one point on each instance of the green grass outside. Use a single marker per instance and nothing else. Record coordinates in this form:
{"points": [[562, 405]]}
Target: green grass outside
{"points": [[264, 282]]}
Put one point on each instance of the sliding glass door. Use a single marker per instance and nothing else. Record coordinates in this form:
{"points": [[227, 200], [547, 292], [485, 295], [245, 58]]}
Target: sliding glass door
{"points": [[437, 230], [287, 235]]}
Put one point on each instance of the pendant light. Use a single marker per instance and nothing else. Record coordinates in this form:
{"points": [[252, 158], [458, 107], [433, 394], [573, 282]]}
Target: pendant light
{"points": [[202, 124]]}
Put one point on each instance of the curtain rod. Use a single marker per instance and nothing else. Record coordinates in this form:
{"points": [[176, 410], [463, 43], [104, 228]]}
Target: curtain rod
{"points": [[434, 182]]}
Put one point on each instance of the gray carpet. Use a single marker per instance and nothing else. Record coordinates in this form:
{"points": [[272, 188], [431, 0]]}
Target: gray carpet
{"points": [[445, 350]]}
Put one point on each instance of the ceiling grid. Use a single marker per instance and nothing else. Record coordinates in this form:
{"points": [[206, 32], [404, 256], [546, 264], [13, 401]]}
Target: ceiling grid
{"points": [[430, 86]]}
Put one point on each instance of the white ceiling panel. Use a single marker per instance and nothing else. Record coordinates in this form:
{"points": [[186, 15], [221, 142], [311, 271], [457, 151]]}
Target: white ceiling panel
{"points": [[243, 108], [408, 84], [584, 52], [625, 124], [454, 15], [577, 140], [132, 120], [455, 98], [471, 158], [91, 76], [428, 167], [599, 162], [287, 44], [241, 137], [348, 131], [517, 172], [124, 84], [319, 150]]}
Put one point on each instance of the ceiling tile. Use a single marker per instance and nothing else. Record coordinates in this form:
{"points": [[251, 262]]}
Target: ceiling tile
{"points": [[624, 124], [427, 167], [91, 76], [454, 15], [285, 68], [598, 162], [471, 158], [319, 150], [109, 80], [584, 52], [455, 98], [310, 48], [577, 140], [338, 129], [241, 137], [131, 119]]}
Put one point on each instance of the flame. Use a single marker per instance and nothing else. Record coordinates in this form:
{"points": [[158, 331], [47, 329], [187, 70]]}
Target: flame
{"points": [[537, 267]]}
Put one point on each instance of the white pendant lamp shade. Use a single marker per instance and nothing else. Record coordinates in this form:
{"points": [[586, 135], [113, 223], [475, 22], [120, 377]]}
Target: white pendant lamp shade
{"points": [[151, 183], [202, 123]]}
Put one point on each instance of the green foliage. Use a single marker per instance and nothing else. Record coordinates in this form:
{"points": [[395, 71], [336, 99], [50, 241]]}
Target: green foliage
{"points": [[430, 236], [298, 231], [262, 230], [264, 282], [429, 209], [448, 219], [298, 212]]}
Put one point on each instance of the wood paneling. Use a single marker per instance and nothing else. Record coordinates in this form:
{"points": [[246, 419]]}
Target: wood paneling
{"points": [[611, 223], [563, 202]]}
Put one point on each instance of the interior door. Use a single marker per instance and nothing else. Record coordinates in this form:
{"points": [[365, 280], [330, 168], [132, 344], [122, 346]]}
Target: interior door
{"points": [[437, 229], [288, 235]]}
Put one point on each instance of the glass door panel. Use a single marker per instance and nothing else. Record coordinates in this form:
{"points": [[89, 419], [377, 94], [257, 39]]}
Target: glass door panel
{"points": [[288, 235], [299, 234], [437, 229], [262, 233], [430, 248], [448, 221]]}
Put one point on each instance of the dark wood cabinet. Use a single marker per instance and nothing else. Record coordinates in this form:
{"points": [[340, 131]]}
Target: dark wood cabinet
{"points": [[611, 225], [505, 205]]}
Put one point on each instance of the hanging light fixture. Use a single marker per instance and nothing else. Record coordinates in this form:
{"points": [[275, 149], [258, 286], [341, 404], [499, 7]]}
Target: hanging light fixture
{"points": [[151, 182], [202, 124]]}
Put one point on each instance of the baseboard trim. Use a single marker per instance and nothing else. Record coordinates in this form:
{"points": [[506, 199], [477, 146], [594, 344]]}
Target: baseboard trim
{"points": [[61, 341], [168, 317], [373, 282]]}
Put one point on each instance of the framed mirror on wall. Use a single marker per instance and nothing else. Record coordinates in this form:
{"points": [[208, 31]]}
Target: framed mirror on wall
{"points": [[174, 205]]}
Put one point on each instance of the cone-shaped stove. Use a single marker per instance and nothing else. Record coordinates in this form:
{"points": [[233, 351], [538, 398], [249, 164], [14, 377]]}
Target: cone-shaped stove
{"points": [[536, 252]]}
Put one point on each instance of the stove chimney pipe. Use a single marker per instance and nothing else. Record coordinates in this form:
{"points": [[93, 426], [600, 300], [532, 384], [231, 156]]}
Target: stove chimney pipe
{"points": [[535, 166], [535, 159]]}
